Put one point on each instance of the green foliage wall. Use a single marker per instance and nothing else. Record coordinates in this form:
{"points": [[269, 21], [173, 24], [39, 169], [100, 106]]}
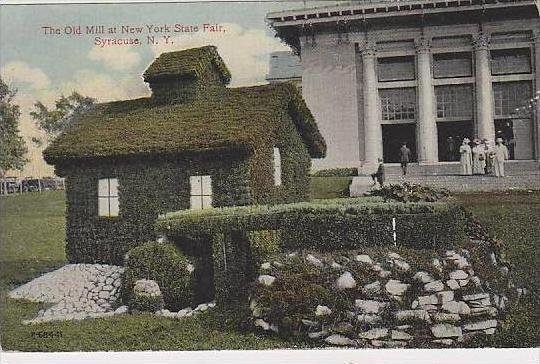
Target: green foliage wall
{"points": [[146, 188]]}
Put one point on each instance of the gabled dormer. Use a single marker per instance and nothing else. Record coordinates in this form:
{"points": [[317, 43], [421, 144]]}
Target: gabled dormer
{"points": [[185, 75]]}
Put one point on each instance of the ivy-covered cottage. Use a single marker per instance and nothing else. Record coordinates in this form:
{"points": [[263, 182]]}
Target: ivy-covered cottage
{"points": [[193, 144]]}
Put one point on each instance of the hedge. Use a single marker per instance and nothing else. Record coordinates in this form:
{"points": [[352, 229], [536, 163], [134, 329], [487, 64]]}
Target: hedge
{"points": [[336, 172], [330, 225], [164, 264]]}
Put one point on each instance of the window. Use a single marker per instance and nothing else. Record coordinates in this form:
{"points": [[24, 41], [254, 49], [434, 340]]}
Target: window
{"points": [[448, 65], [201, 192], [398, 104], [454, 101], [396, 69], [108, 205], [277, 167], [513, 61], [510, 95]]}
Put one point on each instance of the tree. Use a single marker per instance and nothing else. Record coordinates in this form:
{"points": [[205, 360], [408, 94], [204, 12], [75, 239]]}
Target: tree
{"points": [[65, 113], [12, 145]]}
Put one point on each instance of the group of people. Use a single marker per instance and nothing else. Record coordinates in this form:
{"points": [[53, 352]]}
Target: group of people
{"points": [[481, 157], [476, 157]]}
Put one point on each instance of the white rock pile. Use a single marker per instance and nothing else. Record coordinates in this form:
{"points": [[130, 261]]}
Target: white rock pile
{"points": [[399, 306], [77, 291]]}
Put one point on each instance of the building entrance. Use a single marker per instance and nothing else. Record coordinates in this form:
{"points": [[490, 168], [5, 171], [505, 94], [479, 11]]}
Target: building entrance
{"points": [[450, 135], [393, 136]]}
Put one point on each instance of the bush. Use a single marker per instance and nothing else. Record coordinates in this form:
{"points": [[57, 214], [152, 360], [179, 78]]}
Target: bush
{"points": [[164, 264], [409, 193], [337, 172], [330, 225]]}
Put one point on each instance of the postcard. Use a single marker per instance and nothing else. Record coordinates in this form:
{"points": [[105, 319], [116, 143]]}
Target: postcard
{"points": [[329, 180]]}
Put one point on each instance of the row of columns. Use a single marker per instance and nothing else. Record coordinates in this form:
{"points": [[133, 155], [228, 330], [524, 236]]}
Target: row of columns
{"points": [[426, 130]]}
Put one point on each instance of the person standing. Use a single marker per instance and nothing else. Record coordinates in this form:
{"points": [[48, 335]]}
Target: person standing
{"points": [[478, 158], [379, 175], [404, 157], [465, 159], [500, 154], [450, 149]]}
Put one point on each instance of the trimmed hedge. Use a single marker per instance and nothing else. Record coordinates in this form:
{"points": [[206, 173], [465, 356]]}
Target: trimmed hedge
{"points": [[336, 172], [331, 225], [164, 264]]}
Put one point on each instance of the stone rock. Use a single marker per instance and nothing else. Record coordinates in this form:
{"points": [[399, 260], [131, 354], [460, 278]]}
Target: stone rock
{"points": [[368, 318], [415, 304], [376, 268], [437, 264], [479, 303], [363, 258], [474, 297], [423, 277], [315, 261], [446, 317], [375, 333], [104, 294], [266, 266], [460, 307], [385, 274], [427, 300], [339, 340], [481, 325], [458, 274], [463, 282], [420, 315], [490, 331], [336, 265], [435, 286], [121, 310], [146, 287], [277, 264], [266, 280], [476, 281], [184, 312], [482, 311], [309, 323], [388, 344], [262, 324], [400, 335], [395, 287], [393, 255], [292, 255], [317, 335], [444, 296], [402, 266], [345, 281], [370, 306], [493, 259], [446, 331], [452, 284], [372, 288], [202, 307], [322, 311], [446, 342]]}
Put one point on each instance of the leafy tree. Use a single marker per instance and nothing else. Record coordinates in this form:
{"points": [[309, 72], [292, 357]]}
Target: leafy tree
{"points": [[65, 113], [12, 145]]}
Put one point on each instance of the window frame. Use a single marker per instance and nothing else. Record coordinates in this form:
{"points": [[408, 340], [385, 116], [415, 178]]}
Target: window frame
{"points": [[456, 95], [202, 203], [389, 112], [278, 167], [109, 196]]}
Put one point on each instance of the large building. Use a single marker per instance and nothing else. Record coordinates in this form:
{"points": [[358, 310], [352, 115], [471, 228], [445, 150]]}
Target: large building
{"points": [[427, 72]]}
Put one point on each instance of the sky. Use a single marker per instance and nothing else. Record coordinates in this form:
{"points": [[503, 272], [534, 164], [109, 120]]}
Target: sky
{"points": [[42, 66]]}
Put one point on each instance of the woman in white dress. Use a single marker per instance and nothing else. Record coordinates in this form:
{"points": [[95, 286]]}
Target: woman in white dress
{"points": [[466, 157], [478, 158]]}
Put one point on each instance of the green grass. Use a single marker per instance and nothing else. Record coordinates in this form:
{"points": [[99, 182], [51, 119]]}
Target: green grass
{"points": [[514, 219], [330, 187]]}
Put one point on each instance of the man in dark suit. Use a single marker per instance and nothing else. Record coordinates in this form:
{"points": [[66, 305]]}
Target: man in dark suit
{"points": [[404, 157]]}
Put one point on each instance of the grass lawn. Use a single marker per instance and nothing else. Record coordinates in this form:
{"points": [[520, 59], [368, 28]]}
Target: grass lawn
{"points": [[330, 187], [32, 241], [514, 218]]}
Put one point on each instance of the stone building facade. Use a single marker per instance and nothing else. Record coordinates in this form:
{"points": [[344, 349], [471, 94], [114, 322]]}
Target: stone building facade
{"points": [[430, 73]]}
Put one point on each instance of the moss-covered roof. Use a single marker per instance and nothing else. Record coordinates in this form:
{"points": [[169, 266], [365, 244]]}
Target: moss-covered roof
{"points": [[237, 119], [187, 63]]}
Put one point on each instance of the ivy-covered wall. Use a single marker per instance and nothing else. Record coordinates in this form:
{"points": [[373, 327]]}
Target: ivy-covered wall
{"points": [[147, 187], [151, 186]]}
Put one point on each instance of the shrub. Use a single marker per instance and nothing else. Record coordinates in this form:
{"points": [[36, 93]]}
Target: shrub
{"points": [[337, 172], [332, 224], [409, 193], [164, 264]]}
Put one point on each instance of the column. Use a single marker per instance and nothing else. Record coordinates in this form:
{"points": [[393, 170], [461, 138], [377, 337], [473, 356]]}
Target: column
{"points": [[426, 128], [485, 125], [536, 115], [372, 117]]}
